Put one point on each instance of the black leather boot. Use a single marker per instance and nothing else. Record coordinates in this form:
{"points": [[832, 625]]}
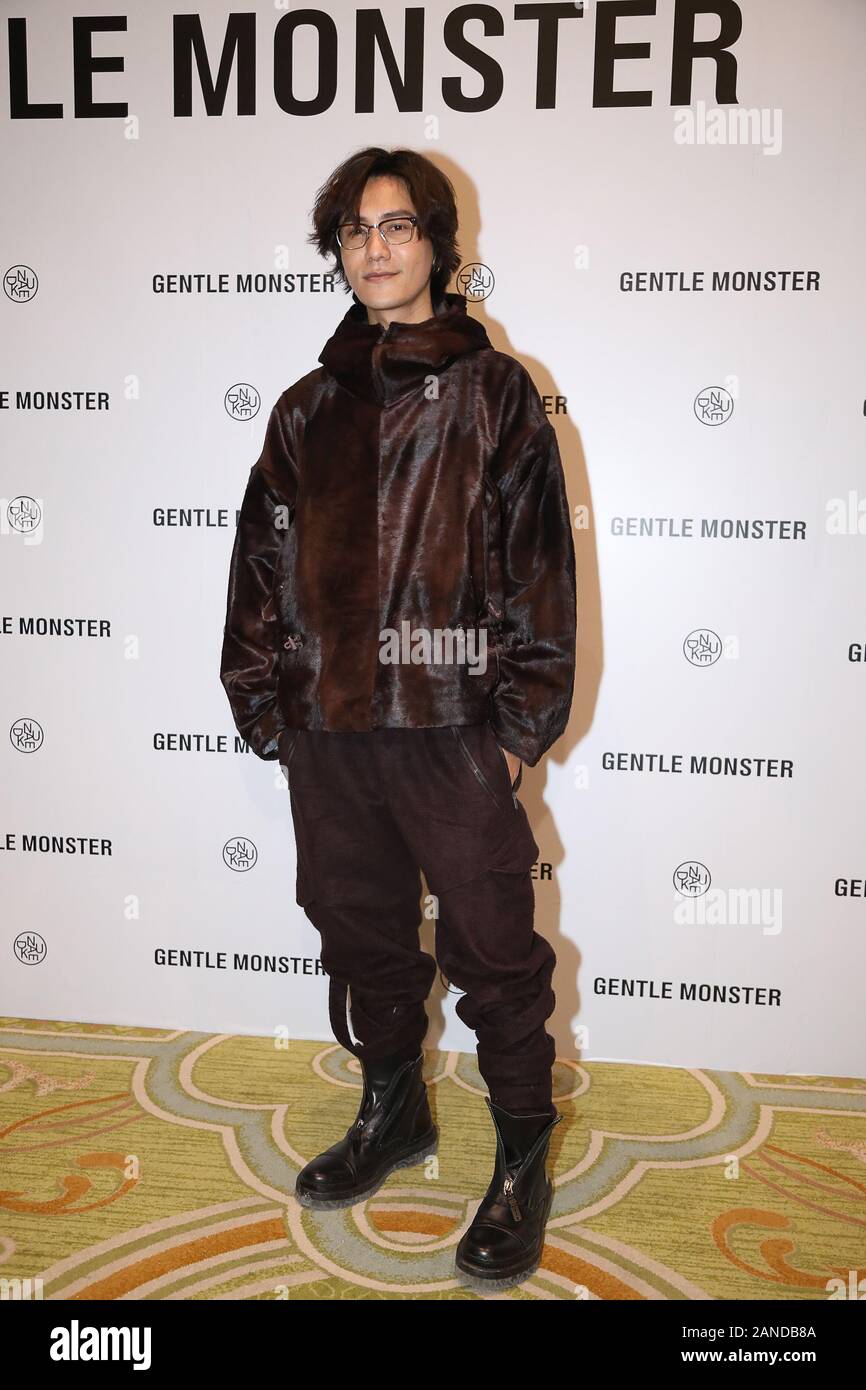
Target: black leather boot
{"points": [[504, 1242], [393, 1129]]}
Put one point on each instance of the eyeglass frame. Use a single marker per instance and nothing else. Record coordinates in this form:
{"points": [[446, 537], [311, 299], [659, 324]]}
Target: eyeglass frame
{"points": [[375, 227]]}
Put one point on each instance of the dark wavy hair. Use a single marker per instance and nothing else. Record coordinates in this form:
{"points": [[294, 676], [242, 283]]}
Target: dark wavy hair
{"points": [[339, 199]]}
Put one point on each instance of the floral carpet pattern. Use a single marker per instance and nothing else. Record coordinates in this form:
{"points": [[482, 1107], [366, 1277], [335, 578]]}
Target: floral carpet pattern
{"points": [[143, 1163]]}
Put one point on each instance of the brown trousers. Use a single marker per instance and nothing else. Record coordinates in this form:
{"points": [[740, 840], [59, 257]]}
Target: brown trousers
{"points": [[370, 810]]}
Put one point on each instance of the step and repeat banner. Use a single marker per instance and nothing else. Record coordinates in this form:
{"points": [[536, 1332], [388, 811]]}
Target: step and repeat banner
{"points": [[662, 209]]}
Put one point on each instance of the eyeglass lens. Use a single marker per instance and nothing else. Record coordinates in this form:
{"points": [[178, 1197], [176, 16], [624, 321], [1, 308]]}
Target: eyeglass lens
{"points": [[353, 235]]}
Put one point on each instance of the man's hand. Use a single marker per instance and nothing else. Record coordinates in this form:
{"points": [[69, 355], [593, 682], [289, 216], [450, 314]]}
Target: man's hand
{"points": [[513, 762]]}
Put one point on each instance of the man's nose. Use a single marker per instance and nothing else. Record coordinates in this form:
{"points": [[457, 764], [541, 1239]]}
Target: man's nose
{"points": [[377, 246]]}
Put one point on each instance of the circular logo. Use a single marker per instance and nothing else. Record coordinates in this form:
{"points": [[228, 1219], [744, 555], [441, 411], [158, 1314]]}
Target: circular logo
{"points": [[26, 735], [24, 513], [20, 283], [713, 406], [475, 281], [691, 879], [242, 401], [240, 854], [29, 947], [703, 647]]}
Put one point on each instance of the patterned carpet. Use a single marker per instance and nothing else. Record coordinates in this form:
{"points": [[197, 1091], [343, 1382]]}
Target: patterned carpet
{"points": [[144, 1163]]}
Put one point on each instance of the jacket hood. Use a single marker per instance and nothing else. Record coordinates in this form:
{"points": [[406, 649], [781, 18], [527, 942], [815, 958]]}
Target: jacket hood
{"points": [[408, 352]]}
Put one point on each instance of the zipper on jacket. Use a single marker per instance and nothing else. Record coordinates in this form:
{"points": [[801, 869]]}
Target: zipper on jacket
{"points": [[375, 370]]}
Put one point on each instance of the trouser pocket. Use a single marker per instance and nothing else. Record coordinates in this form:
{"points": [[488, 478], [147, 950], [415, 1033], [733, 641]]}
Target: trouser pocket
{"points": [[519, 778], [477, 771], [492, 756]]}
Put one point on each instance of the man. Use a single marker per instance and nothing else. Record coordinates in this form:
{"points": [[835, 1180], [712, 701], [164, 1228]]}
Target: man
{"points": [[400, 632]]}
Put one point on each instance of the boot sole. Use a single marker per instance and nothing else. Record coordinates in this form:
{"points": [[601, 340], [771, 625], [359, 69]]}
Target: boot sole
{"points": [[473, 1278], [333, 1202], [503, 1276]]}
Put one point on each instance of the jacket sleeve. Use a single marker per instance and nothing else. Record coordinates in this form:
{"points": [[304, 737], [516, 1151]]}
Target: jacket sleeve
{"points": [[532, 698], [249, 667]]}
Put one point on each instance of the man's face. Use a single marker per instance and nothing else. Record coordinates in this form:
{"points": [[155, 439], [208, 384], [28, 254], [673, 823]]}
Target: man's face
{"points": [[392, 281]]}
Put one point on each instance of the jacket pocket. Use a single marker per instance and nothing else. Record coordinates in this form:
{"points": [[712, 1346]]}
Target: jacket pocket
{"points": [[516, 851]]}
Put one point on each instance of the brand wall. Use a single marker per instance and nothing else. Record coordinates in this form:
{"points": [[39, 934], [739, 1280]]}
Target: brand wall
{"points": [[662, 218]]}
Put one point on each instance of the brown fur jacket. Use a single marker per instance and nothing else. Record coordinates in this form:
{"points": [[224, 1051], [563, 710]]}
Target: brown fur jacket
{"points": [[404, 552]]}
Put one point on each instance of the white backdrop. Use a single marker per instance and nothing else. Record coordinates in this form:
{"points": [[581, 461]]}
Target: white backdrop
{"points": [[119, 734]]}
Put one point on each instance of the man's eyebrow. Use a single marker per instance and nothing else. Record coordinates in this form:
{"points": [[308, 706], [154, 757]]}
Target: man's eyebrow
{"points": [[397, 212]]}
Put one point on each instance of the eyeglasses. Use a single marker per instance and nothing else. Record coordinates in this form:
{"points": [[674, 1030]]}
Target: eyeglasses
{"points": [[351, 236]]}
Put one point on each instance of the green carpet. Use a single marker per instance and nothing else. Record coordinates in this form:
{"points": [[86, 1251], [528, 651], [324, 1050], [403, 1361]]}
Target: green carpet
{"points": [[147, 1163]]}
